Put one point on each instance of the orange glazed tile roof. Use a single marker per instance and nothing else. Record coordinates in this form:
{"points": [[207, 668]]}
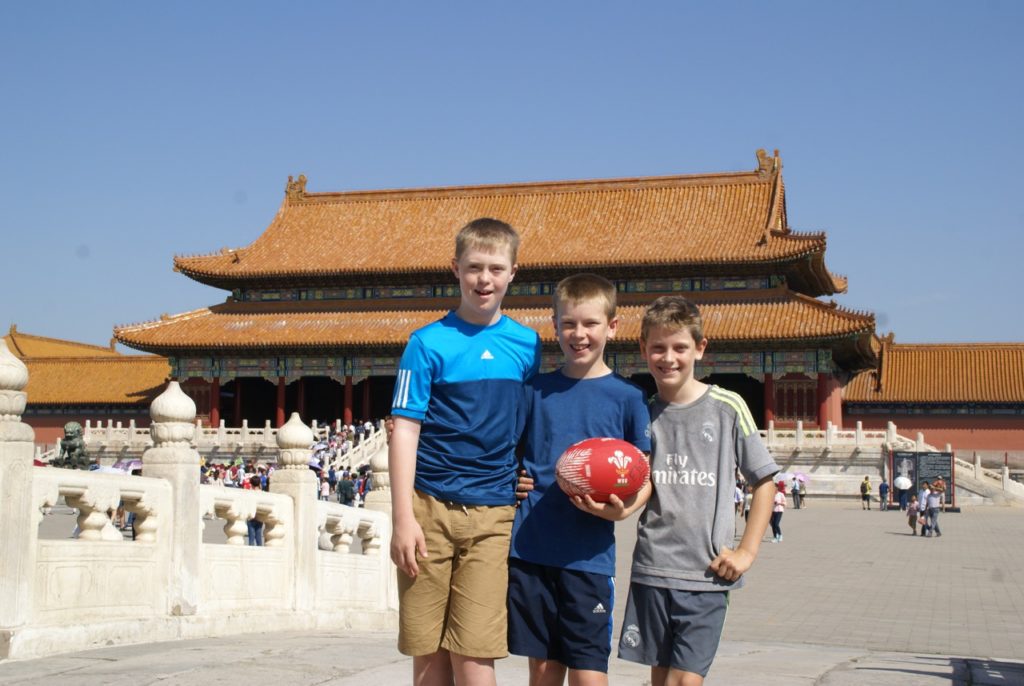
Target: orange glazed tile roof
{"points": [[779, 315], [942, 373], [24, 345], [71, 373], [707, 219], [127, 379]]}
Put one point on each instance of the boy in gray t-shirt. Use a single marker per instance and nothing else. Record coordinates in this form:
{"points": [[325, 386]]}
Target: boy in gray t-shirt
{"points": [[684, 564]]}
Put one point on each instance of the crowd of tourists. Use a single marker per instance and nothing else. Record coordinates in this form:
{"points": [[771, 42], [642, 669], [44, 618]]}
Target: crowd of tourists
{"points": [[349, 485]]}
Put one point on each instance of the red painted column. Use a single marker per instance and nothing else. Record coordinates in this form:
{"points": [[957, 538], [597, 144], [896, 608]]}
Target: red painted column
{"points": [[280, 402], [238, 402], [300, 395], [822, 400], [215, 402], [835, 395], [347, 412], [769, 399], [366, 400]]}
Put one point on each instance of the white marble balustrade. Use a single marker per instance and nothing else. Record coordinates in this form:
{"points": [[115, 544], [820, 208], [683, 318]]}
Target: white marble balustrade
{"points": [[103, 588]]}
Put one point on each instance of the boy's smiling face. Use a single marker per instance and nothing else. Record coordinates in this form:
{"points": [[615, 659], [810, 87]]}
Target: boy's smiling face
{"points": [[583, 330], [671, 356], [484, 276]]}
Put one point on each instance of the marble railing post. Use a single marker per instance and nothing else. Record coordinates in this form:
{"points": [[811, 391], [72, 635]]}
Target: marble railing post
{"points": [[173, 459], [380, 497], [294, 478], [17, 525]]}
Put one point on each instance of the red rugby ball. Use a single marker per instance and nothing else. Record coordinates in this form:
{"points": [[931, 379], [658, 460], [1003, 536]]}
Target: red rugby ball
{"points": [[599, 467]]}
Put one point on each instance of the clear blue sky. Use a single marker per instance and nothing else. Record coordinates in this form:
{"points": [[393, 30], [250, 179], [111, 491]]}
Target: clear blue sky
{"points": [[132, 132]]}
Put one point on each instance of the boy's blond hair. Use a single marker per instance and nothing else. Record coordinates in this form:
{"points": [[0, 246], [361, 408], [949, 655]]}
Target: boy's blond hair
{"points": [[673, 312], [580, 287], [487, 234]]}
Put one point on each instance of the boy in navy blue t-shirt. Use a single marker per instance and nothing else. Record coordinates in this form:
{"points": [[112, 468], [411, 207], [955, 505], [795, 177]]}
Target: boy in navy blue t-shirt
{"points": [[452, 466], [562, 558]]}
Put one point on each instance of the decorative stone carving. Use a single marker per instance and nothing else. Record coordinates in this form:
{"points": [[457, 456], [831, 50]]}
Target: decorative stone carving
{"points": [[13, 379], [174, 416], [379, 470], [294, 440]]}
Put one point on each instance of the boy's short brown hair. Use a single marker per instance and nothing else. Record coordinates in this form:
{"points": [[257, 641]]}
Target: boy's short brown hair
{"points": [[580, 287], [488, 234], [673, 312]]}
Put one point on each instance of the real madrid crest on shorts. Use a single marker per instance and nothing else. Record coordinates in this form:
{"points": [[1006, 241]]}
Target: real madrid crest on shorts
{"points": [[631, 636]]}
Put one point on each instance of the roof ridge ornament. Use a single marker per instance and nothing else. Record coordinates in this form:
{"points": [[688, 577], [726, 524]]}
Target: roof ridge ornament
{"points": [[768, 165], [295, 189]]}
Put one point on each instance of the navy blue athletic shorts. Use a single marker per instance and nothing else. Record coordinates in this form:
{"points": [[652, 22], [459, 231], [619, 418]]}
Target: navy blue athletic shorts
{"points": [[560, 614], [666, 627]]}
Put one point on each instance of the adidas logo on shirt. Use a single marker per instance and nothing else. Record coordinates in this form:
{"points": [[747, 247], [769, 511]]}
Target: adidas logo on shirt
{"points": [[486, 355], [599, 609]]}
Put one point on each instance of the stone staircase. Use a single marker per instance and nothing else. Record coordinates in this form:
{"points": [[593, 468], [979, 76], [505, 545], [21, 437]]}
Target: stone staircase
{"points": [[835, 461]]}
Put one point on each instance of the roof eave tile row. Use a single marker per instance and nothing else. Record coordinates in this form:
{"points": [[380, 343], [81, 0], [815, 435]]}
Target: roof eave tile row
{"points": [[787, 319]]}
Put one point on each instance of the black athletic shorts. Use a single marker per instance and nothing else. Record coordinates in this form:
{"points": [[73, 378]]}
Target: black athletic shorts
{"points": [[560, 614]]}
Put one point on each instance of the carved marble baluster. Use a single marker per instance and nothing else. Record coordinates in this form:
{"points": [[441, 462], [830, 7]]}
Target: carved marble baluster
{"points": [[90, 521], [371, 538], [235, 529], [341, 536], [274, 531]]}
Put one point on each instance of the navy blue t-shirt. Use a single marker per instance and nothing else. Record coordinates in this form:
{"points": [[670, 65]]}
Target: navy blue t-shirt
{"points": [[464, 383], [549, 529]]}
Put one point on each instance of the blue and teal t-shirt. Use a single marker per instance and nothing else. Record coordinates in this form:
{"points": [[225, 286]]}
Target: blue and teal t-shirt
{"points": [[549, 529], [464, 383]]}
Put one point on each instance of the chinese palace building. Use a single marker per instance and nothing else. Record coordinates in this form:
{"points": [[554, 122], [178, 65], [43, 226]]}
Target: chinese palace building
{"points": [[319, 307]]}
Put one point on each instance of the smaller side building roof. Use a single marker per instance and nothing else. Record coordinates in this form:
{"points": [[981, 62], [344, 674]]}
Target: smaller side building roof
{"points": [[66, 373], [23, 346], [942, 373]]}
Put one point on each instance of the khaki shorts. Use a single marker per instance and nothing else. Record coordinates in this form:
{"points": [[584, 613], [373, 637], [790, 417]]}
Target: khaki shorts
{"points": [[457, 601]]}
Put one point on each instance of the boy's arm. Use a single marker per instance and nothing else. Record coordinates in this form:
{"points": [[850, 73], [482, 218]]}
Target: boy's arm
{"points": [[615, 509], [407, 536], [732, 564]]}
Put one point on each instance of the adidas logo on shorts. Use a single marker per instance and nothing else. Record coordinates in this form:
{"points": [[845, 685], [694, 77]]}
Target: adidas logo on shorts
{"points": [[599, 609], [486, 355]]}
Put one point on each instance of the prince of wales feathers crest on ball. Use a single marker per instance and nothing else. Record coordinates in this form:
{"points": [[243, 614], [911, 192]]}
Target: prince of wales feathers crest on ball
{"points": [[600, 467]]}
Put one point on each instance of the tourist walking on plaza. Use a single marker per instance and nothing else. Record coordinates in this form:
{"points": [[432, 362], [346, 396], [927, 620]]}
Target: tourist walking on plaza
{"points": [[883, 495], [922, 504], [777, 510], [797, 495], [912, 514], [865, 494], [935, 502]]}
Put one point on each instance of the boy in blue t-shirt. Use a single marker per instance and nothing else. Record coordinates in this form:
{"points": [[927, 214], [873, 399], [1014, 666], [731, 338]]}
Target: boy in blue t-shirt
{"points": [[452, 466], [562, 558]]}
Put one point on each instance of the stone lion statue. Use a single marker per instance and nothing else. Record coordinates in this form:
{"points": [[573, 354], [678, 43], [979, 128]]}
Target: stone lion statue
{"points": [[72, 448]]}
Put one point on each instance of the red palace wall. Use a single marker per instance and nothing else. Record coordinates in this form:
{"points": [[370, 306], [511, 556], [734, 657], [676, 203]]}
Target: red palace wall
{"points": [[965, 433]]}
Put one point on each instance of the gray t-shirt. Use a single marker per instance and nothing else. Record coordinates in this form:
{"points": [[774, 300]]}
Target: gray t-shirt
{"points": [[695, 450]]}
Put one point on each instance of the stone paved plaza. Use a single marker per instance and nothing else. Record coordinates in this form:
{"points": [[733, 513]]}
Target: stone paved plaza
{"points": [[848, 598], [845, 577]]}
